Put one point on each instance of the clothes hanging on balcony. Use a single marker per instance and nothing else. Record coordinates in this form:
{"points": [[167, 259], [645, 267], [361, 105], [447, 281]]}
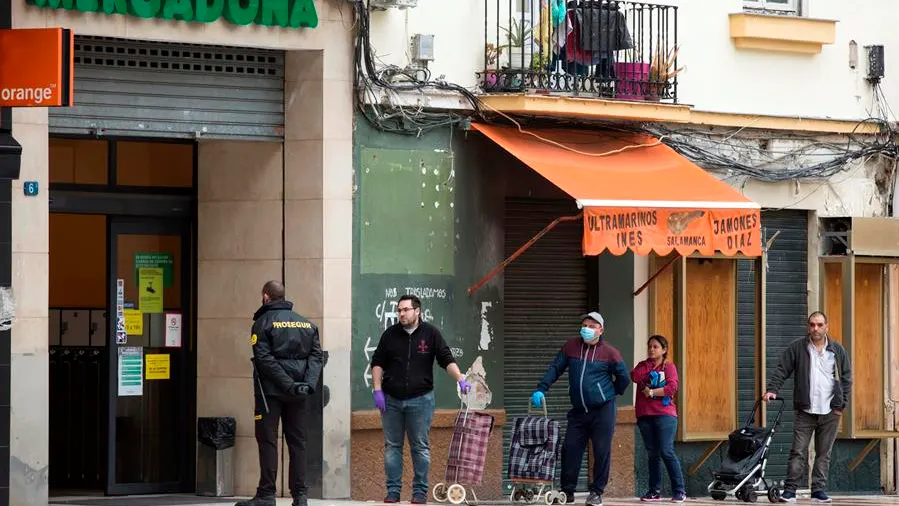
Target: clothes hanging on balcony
{"points": [[563, 32], [552, 19], [543, 35], [589, 34], [552, 15], [603, 27]]}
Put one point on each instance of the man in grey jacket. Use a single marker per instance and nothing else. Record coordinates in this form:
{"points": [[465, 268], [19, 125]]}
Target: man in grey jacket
{"points": [[821, 388]]}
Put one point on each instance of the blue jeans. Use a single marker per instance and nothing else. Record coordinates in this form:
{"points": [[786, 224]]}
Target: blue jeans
{"points": [[407, 418], [658, 438]]}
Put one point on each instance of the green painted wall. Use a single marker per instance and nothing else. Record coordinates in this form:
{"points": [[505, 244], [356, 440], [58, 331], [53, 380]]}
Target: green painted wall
{"points": [[423, 219]]}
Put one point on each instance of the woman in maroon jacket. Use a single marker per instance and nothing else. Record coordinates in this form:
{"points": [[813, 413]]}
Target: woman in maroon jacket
{"points": [[656, 380]]}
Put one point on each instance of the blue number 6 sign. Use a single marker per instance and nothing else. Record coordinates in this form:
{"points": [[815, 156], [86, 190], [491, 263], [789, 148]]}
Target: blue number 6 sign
{"points": [[31, 188]]}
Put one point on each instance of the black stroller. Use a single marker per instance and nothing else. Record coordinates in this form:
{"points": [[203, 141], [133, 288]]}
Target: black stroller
{"points": [[742, 473]]}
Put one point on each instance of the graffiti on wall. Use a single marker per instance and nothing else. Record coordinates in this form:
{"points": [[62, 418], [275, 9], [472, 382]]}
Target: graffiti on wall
{"points": [[464, 323], [435, 310]]}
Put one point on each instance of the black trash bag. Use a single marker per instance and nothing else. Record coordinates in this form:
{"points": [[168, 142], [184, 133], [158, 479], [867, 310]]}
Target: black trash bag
{"points": [[217, 432]]}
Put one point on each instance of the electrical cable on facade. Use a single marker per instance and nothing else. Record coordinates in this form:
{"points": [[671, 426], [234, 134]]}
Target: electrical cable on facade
{"points": [[725, 154], [391, 79], [700, 147]]}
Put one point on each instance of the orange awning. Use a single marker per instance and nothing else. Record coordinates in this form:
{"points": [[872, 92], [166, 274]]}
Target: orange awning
{"points": [[637, 193]]}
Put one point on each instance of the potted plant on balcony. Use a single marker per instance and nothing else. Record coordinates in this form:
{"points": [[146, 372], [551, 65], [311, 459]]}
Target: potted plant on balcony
{"points": [[631, 76], [661, 71], [647, 81], [491, 56], [518, 41]]}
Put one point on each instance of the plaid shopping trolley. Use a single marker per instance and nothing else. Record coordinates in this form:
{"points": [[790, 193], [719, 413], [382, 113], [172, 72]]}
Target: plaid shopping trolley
{"points": [[467, 455], [533, 453]]}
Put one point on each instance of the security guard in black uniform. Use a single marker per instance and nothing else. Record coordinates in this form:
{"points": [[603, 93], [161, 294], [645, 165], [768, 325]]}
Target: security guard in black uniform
{"points": [[287, 362]]}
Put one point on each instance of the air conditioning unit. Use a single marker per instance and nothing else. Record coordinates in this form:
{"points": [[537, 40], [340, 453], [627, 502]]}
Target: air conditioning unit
{"points": [[382, 5]]}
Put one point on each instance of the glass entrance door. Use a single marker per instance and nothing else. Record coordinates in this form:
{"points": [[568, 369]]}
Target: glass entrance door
{"points": [[150, 394]]}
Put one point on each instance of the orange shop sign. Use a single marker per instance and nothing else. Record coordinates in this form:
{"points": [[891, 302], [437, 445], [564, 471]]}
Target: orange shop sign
{"points": [[36, 67], [661, 230]]}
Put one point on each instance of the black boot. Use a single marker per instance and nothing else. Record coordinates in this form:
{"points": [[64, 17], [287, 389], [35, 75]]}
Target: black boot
{"points": [[299, 500], [258, 501]]}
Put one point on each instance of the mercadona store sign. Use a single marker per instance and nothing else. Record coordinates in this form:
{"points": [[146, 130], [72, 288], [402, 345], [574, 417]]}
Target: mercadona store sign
{"points": [[283, 13]]}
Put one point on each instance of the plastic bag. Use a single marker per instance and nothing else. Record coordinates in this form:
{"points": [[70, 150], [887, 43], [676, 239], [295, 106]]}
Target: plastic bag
{"points": [[217, 432]]}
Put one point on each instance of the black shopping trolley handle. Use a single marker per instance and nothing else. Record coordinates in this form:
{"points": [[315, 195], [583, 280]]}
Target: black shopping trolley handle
{"points": [[750, 420]]}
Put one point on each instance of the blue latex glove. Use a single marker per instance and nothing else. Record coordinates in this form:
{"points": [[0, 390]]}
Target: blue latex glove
{"points": [[380, 401], [537, 399], [464, 386]]}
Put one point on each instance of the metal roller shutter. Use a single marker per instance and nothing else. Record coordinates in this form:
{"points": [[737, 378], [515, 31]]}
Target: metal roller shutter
{"points": [[163, 89], [746, 345], [545, 293], [787, 309]]}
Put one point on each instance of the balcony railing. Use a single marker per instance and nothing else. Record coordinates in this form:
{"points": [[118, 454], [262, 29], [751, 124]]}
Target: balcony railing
{"points": [[598, 48]]}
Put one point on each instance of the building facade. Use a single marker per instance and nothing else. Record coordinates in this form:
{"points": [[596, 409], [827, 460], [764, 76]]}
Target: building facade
{"points": [[701, 78], [211, 151], [210, 146]]}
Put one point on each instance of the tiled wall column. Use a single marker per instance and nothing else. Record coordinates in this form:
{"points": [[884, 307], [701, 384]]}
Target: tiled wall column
{"points": [[239, 249], [29, 418], [318, 222]]}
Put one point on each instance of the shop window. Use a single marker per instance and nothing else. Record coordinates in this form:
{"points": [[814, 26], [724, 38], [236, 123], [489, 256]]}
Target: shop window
{"points": [[156, 164], [79, 161], [693, 304], [854, 296], [77, 261]]}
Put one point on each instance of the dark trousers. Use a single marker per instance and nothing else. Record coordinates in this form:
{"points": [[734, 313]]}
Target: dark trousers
{"points": [[824, 429], [658, 438], [597, 425], [293, 413]]}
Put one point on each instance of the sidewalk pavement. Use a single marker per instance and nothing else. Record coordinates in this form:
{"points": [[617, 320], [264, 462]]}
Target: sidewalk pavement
{"points": [[868, 500]]}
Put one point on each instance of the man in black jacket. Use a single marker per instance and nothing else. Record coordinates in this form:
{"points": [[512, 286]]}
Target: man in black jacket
{"points": [[287, 362], [402, 372], [821, 387]]}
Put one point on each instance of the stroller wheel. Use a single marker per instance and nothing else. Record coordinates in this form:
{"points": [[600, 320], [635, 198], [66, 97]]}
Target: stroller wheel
{"points": [[529, 495], [549, 498], [718, 495], [774, 494], [515, 496], [439, 492], [456, 493]]}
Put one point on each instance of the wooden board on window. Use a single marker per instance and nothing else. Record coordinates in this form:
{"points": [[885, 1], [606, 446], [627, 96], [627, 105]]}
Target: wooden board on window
{"points": [[833, 299], [663, 296], [709, 369], [867, 344], [893, 334]]}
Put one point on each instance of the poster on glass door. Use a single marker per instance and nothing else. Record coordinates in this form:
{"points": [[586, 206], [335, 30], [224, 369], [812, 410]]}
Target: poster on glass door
{"points": [[131, 371], [121, 334]]}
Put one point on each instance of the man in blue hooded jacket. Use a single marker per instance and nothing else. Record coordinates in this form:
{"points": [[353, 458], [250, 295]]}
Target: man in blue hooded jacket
{"points": [[596, 375]]}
